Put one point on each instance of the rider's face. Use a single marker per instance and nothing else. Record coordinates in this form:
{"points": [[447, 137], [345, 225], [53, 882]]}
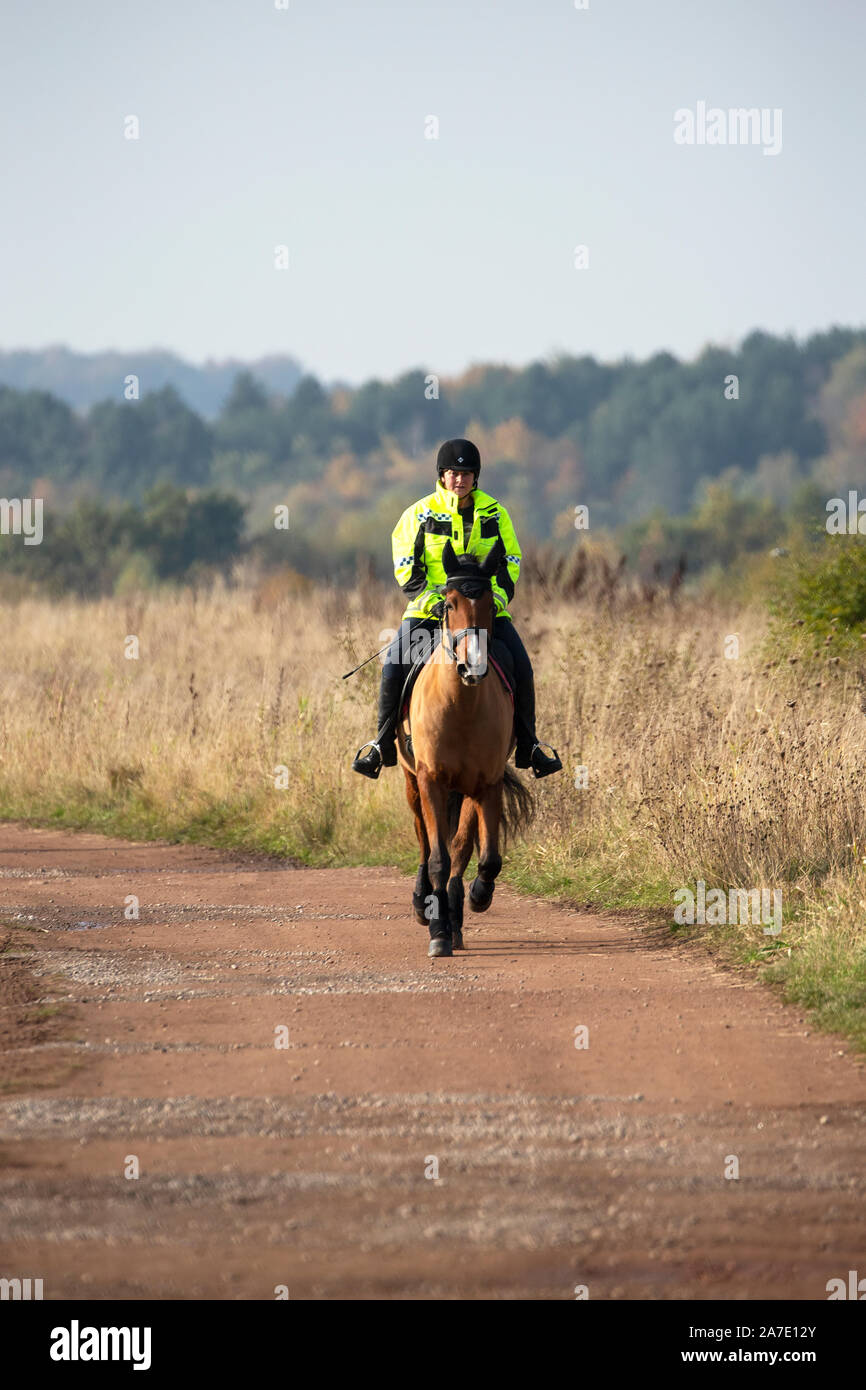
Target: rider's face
{"points": [[458, 481]]}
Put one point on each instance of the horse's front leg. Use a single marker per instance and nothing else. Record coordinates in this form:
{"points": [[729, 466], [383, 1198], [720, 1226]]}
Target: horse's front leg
{"points": [[422, 881], [461, 852], [489, 858], [434, 806]]}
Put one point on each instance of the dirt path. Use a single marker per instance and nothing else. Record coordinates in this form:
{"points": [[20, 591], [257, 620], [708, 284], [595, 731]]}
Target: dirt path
{"points": [[305, 1165]]}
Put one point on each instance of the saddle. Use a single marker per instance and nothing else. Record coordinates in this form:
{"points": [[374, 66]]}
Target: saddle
{"points": [[498, 656]]}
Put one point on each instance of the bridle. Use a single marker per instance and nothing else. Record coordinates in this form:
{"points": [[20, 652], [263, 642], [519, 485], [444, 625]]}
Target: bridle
{"points": [[449, 639]]}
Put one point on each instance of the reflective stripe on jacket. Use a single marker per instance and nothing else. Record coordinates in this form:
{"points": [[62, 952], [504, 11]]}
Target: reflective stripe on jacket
{"points": [[419, 537]]}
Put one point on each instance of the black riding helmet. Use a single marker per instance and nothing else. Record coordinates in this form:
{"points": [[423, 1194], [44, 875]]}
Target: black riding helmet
{"points": [[459, 453]]}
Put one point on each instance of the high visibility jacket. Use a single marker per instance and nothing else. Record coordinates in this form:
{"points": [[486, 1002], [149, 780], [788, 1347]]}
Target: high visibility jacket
{"points": [[419, 537]]}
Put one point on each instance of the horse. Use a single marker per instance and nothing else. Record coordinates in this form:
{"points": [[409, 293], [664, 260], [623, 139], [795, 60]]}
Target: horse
{"points": [[461, 725]]}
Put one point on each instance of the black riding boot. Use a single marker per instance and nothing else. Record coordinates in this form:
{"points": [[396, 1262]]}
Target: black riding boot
{"points": [[383, 750], [529, 752]]}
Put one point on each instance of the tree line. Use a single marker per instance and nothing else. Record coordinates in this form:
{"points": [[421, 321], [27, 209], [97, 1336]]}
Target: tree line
{"points": [[657, 450]]}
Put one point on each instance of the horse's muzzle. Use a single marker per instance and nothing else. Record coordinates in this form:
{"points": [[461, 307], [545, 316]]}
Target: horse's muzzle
{"points": [[470, 675], [473, 667]]}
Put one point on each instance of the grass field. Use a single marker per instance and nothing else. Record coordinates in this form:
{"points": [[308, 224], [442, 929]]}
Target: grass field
{"points": [[709, 753]]}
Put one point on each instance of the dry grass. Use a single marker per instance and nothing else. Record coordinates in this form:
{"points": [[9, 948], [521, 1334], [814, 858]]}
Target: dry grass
{"points": [[744, 772]]}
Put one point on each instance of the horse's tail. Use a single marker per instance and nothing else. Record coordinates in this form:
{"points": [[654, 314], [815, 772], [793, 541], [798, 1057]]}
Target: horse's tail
{"points": [[518, 808]]}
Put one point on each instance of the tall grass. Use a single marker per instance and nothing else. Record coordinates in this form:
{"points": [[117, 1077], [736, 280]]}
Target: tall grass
{"points": [[233, 727]]}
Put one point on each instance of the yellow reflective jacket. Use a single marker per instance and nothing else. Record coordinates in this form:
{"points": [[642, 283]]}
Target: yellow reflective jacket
{"points": [[419, 537]]}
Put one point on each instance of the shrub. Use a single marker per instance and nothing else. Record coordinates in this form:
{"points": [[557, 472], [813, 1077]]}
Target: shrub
{"points": [[825, 590]]}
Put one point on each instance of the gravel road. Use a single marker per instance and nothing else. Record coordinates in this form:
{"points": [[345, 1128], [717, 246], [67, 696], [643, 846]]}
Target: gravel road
{"points": [[309, 1102]]}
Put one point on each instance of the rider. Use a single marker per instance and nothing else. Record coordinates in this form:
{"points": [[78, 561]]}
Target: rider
{"points": [[458, 510]]}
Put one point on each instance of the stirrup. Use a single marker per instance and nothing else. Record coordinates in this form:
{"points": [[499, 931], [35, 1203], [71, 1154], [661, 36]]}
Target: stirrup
{"points": [[366, 768], [549, 765]]}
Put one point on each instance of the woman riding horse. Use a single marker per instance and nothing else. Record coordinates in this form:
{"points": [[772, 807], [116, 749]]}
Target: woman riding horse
{"points": [[472, 520]]}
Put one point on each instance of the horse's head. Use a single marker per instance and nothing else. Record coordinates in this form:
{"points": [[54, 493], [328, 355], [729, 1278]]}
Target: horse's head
{"points": [[469, 609]]}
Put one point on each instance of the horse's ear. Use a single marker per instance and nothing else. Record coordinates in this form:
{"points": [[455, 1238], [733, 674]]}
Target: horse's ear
{"points": [[490, 563], [449, 559]]}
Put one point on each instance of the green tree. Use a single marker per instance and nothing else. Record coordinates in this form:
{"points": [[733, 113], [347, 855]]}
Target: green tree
{"points": [[39, 437]]}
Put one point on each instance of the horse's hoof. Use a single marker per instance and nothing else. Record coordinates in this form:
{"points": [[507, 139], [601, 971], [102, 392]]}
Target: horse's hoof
{"points": [[479, 904], [421, 919], [457, 941], [440, 946]]}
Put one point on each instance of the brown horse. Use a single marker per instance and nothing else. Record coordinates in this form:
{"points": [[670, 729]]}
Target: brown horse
{"points": [[462, 732]]}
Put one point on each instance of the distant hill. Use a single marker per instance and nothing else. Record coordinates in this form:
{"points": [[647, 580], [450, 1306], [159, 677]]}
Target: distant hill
{"points": [[81, 379]]}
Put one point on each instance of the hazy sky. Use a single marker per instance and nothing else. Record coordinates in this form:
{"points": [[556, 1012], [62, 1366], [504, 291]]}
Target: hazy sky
{"points": [[306, 127]]}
